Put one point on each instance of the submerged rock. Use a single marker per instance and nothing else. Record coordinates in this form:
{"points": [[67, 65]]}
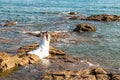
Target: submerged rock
{"points": [[103, 17], [55, 35], [84, 27], [8, 23], [73, 13], [74, 16]]}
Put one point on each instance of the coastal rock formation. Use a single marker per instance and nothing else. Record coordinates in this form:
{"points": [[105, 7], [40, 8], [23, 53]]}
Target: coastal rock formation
{"points": [[10, 23], [7, 23], [61, 65], [55, 35], [26, 59], [52, 50], [84, 27], [103, 17], [74, 16], [7, 61], [10, 61], [73, 13], [86, 74]]}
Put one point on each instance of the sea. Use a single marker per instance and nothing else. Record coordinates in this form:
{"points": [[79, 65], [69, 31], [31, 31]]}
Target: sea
{"points": [[101, 47]]}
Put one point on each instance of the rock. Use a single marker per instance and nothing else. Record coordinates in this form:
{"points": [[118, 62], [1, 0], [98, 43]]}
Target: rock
{"points": [[116, 77], [84, 27], [52, 50], [102, 77], [7, 61], [28, 48], [57, 52], [10, 23], [87, 77], [99, 71], [103, 17], [67, 75], [10, 61], [73, 13], [55, 35], [26, 59], [75, 17]]}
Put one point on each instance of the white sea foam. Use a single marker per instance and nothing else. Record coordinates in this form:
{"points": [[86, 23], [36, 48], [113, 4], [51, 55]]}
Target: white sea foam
{"points": [[89, 63], [38, 32], [43, 50]]}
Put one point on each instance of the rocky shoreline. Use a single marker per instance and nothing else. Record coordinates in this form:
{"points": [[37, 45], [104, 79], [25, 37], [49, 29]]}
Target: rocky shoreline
{"points": [[59, 65], [99, 17]]}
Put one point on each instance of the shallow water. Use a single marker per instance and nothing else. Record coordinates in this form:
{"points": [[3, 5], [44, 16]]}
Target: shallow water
{"points": [[101, 46]]}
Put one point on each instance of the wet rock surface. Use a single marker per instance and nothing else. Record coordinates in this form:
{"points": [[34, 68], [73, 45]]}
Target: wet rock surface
{"points": [[10, 61], [103, 17], [84, 27], [74, 16], [7, 23], [55, 35], [99, 17], [58, 66]]}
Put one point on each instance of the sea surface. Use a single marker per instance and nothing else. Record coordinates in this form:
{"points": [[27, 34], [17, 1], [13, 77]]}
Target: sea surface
{"points": [[102, 46]]}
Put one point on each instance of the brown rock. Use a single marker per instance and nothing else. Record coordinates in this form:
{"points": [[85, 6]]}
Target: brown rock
{"points": [[116, 77], [75, 17], [84, 27], [87, 77], [55, 35], [10, 23], [104, 17], [26, 49], [102, 77], [67, 75], [28, 59], [99, 71], [52, 50], [7, 61]]}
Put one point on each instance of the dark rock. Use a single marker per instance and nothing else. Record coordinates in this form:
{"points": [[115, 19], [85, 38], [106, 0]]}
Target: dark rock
{"points": [[10, 23], [73, 13], [103, 17], [84, 27], [116, 77]]}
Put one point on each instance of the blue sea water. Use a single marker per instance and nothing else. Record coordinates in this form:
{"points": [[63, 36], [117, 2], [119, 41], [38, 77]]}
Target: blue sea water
{"points": [[102, 46]]}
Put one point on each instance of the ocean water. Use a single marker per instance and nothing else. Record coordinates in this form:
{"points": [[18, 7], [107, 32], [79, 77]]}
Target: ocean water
{"points": [[102, 46]]}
